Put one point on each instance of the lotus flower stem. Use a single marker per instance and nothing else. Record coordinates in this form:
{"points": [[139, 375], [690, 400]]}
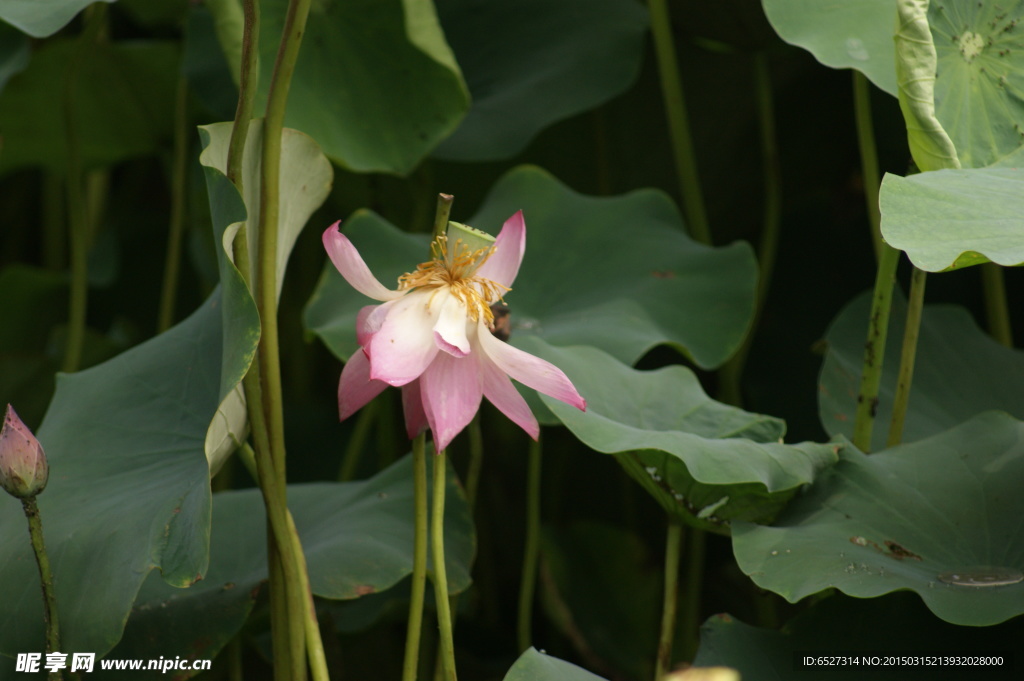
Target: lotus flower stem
{"points": [[176, 226], [314, 644], [248, 81], [907, 355], [732, 373], [35, 530], [531, 550], [868, 156], [354, 448], [444, 613], [669, 598], [692, 589], [874, 348], [272, 468], [996, 309], [419, 560], [678, 122], [476, 460]]}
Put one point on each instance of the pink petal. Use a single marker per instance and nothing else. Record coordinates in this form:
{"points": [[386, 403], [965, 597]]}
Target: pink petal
{"points": [[503, 395], [503, 266], [531, 371], [367, 324], [404, 345], [452, 389], [356, 388], [450, 329], [351, 265], [412, 405]]}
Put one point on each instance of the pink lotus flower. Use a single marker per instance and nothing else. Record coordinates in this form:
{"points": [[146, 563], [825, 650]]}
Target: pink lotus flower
{"points": [[433, 337]]}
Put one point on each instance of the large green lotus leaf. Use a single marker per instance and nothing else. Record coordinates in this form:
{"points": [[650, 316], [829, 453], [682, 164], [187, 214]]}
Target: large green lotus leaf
{"points": [[123, 103], [357, 537], [41, 18], [533, 665], [979, 89], [306, 178], [129, 488], [376, 84], [705, 462], [842, 34], [910, 517], [894, 624], [616, 273], [531, 63], [949, 219], [959, 372]]}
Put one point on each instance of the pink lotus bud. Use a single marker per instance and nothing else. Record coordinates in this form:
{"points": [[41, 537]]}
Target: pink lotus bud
{"points": [[23, 468]]}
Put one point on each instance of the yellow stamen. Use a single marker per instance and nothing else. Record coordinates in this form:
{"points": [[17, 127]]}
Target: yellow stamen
{"points": [[455, 272]]}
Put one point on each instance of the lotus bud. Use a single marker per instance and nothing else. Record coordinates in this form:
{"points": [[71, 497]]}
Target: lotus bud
{"points": [[23, 467]]}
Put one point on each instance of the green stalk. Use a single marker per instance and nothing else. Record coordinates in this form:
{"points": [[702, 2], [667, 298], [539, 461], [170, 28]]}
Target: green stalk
{"points": [[50, 616], [670, 598], [531, 550], [996, 308], [314, 643], [246, 91], [280, 639], [354, 448], [476, 460], [732, 373], [419, 560], [868, 156], [692, 590], [911, 331], [874, 348], [678, 122], [444, 613], [270, 195], [273, 483], [179, 176]]}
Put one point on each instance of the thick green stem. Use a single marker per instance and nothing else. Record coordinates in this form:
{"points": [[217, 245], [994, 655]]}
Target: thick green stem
{"points": [[356, 443], [692, 589], [50, 616], [314, 643], [732, 373], [670, 598], [444, 612], [997, 311], [273, 479], [246, 91], [531, 550], [911, 331], [868, 156], [678, 122], [476, 460], [874, 348], [176, 228], [419, 560]]}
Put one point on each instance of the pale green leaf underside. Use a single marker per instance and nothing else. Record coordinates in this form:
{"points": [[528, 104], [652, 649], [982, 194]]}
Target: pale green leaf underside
{"points": [[950, 219]]}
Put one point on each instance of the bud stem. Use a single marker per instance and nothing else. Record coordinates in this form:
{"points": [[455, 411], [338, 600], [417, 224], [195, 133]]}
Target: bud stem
{"points": [[35, 530]]}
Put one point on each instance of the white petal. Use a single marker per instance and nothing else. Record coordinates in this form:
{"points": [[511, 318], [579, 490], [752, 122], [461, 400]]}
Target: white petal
{"points": [[450, 329], [404, 345]]}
